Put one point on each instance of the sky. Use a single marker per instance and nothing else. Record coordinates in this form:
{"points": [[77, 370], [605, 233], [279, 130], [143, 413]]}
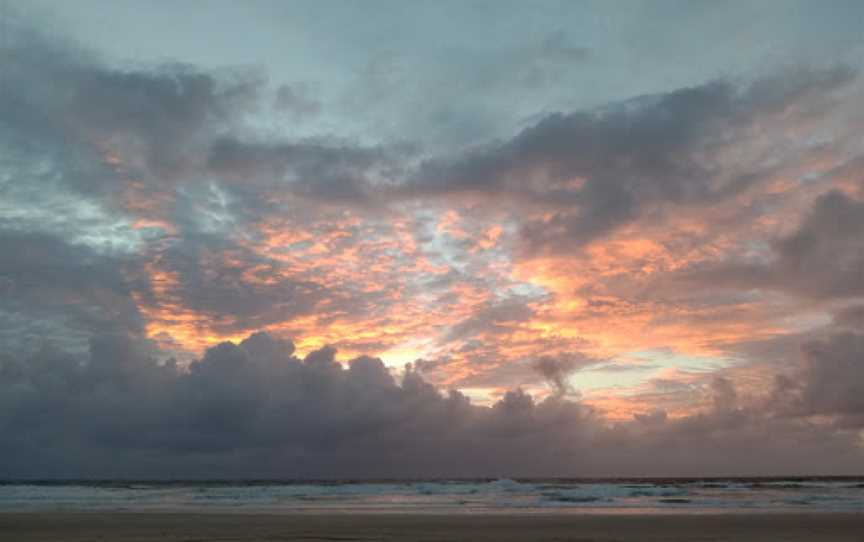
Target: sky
{"points": [[378, 239]]}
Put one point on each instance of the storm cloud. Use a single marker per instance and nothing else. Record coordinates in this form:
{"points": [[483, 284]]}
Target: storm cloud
{"points": [[255, 409]]}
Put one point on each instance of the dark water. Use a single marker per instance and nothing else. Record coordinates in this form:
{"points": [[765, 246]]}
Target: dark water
{"points": [[430, 496]]}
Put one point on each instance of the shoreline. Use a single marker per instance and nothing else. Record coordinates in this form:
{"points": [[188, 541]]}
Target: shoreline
{"points": [[441, 512], [397, 527]]}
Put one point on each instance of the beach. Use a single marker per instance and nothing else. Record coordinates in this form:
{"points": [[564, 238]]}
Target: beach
{"points": [[250, 527]]}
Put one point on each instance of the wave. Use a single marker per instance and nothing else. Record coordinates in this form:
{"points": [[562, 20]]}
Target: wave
{"points": [[438, 495]]}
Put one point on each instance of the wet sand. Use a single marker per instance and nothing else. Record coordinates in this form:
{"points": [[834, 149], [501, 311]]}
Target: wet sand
{"points": [[145, 527]]}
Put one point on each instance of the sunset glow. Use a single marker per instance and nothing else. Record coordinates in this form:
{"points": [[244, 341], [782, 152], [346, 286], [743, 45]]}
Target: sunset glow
{"points": [[627, 232]]}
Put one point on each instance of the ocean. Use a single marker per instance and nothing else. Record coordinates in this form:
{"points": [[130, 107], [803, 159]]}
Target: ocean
{"points": [[442, 496]]}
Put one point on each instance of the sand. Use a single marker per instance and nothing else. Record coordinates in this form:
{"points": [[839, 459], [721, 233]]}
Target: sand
{"points": [[143, 527]]}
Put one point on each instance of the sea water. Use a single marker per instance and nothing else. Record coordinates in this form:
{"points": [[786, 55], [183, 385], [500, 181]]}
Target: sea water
{"points": [[441, 496]]}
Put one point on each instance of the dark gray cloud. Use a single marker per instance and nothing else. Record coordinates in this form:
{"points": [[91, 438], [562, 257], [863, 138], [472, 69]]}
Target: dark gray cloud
{"points": [[228, 284], [51, 284], [103, 127], [825, 257], [723, 394], [76, 108], [851, 318], [593, 171], [254, 409], [830, 380], [822, 259], [492, 318], [556, 371], [323, 171]]}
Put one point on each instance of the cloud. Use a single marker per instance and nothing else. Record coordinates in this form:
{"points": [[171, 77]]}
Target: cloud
{"points": [[53, 284], [822, 259], [556, 371], [491, 319], [830, 380], [108, 128], [152, 177], [254, 409], [825, 256], [594, 171], [724, 395], [154, 202], [851, 317], [229, 284], [464, 93], [154, 120], [322, 171], [297, 100]]}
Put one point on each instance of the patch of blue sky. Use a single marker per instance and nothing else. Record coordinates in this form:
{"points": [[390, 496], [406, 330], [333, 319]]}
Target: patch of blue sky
{"points": [[634, 368]]}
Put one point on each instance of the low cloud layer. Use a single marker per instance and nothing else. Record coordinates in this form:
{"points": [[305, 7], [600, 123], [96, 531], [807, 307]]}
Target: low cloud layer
{"points": [[255, 410]]}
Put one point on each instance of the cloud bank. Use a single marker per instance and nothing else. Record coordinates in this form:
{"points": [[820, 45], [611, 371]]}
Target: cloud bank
{"points": [[255, 410]]}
